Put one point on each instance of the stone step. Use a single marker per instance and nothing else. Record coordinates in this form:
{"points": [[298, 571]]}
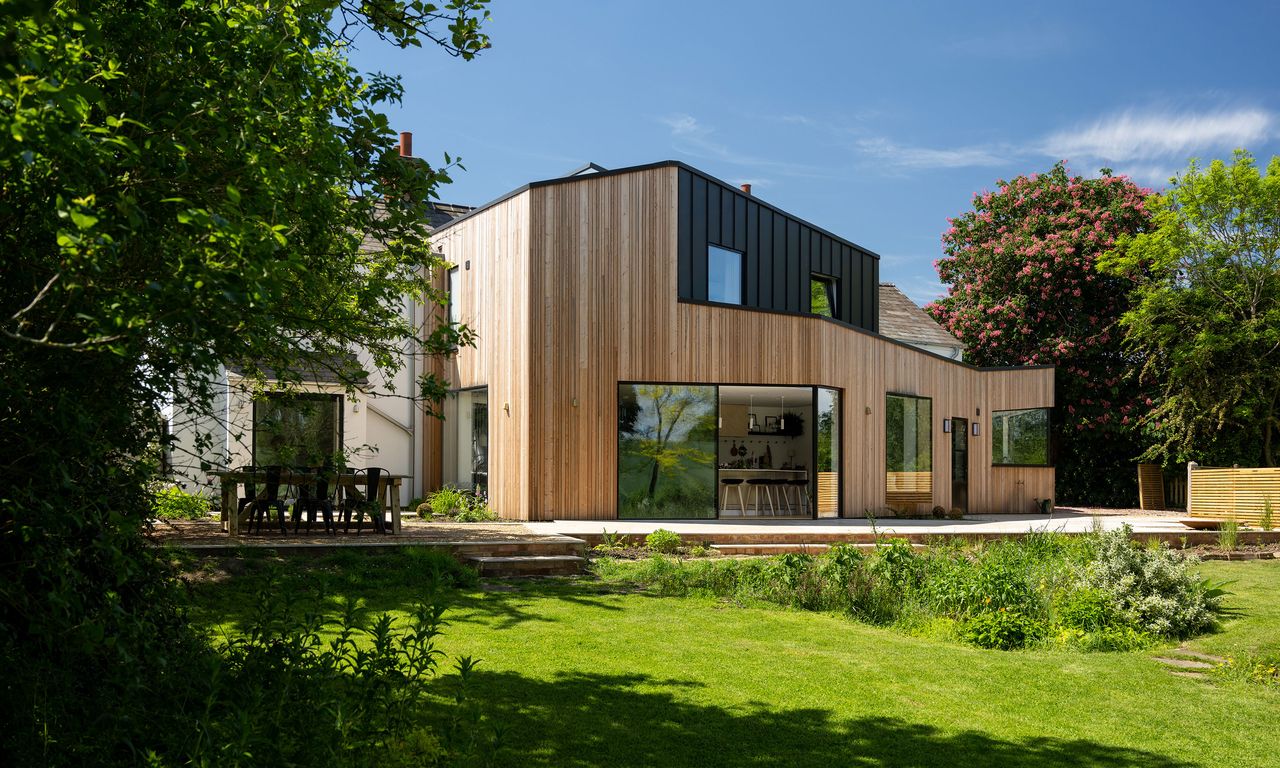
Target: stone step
{"points": [[560, 546], [1190, 654], [1187, 664], [527, 565]]}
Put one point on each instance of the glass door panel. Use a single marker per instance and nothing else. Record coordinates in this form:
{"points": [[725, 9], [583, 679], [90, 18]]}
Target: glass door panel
{"points": [[666, 451], [826, 485]]}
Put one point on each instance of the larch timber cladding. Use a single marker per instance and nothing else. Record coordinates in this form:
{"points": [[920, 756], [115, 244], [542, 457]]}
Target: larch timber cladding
{"points": [[601, 307]]}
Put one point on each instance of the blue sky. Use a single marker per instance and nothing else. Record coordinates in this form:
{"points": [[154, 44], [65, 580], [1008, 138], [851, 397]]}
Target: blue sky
{"points": [[876, 121]]}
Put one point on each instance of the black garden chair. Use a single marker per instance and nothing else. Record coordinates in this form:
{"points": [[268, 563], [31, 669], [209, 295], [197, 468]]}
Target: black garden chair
{"points": [[260, 506], [367, 502], [315, 497]]}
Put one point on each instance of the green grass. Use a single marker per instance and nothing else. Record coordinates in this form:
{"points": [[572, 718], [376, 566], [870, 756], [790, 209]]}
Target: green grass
{"points": [[579, 675]]}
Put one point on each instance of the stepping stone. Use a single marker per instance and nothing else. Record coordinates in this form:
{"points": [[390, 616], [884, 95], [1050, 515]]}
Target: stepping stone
{"points": [[1183, 663], [1188, 653], [1191, 675]]}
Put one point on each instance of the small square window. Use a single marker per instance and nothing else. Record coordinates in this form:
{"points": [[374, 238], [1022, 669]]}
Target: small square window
{"points": [[724, 275], [822, 295]]}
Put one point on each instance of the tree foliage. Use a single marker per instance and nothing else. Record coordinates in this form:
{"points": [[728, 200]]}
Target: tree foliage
{"points": [[1024, 291], [1206, 312], [181, 184]]}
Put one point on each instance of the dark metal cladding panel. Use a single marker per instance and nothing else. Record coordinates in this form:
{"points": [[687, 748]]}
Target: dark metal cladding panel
{"points": [[781, 252], [869, 291], [740, 222], [793, 267], [752, 246], [809, 248], [845, 259], [778, 260], [713, 214], [765, 268], [699, 223], [684, 234], [874, 282], [726, 219]]}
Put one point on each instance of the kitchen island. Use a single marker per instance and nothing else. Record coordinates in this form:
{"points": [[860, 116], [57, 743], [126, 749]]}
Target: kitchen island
{"points": [[785, 501]]}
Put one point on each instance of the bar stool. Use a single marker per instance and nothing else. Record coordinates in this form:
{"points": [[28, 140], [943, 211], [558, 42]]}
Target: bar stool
{"points": [[736, 483], [802, 496], [757, 484], [779, 491]]}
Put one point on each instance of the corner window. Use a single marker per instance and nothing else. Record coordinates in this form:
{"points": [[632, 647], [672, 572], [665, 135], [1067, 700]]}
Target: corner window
{"points": [[908, 452], [1020, 438], [822, 295], [724, 275]]}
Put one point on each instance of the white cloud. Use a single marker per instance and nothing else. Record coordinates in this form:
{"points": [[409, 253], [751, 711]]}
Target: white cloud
{"points": [[1137, 136], [692, 138], [899, 156]]}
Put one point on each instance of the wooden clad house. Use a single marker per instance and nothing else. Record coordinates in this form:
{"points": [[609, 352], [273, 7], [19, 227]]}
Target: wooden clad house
{"points": [[655, 343]]}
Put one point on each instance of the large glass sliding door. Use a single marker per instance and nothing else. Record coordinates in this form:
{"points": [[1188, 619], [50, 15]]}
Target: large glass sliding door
{"points": [[701, 451], [666, 451], [466, 440]]}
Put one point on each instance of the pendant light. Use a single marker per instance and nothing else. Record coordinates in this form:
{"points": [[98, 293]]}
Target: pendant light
{"points": [[751, 414], [782, 421]]}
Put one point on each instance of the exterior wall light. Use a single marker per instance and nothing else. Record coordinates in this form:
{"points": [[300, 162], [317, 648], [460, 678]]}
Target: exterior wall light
{"points": [[946, 425]]}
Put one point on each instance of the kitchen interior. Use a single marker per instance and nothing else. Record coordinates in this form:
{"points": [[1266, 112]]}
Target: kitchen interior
{"points": [[765, 454]]}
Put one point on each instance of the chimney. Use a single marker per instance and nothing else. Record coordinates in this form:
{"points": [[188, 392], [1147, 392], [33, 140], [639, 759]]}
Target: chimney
{"points": [[406, 144], [746, 188]]}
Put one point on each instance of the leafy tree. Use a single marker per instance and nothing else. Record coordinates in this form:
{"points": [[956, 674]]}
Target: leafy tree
{"points": [[1206, 312], [1024, 291], [181, 184]]}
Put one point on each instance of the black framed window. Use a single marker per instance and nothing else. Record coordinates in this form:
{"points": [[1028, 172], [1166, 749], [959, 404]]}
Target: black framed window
{"points": [[822, 295], [908, 451], [1020, 438], [297, 430], [724, 275], [455, 306]]}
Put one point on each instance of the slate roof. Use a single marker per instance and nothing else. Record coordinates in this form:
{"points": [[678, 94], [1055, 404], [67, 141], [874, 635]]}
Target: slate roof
{"points": [[902, 319]]}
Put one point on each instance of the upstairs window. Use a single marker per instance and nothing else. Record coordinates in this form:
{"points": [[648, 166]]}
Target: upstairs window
{"points": [[724, 275], [822, 295]]}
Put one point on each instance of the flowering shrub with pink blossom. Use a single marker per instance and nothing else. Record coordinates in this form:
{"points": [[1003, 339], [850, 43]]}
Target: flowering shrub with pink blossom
{"points": [[1024, 291]]}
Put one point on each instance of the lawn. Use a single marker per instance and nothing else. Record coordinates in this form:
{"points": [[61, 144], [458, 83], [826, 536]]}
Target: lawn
{"points": [[581, 675]]}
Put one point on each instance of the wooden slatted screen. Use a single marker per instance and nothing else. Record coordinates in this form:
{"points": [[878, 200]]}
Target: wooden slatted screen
{"points": [[1150, 487], [828, 493], [904, 490], [1239, 493]]}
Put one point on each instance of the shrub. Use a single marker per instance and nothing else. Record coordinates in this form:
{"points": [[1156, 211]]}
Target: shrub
{"points": [[955, 513], [662, 540], [1156, 591], [447, 501], [172, 503], [1229, 535], [939, 512], [1266, 521], [462, 506], [1004, 629]]}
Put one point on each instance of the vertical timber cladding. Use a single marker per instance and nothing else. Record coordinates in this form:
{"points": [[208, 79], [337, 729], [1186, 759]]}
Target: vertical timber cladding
{"points": [[491, 251], [780, 252]]}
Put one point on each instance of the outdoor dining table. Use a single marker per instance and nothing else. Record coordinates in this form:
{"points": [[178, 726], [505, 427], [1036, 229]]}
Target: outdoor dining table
{"points": [[347, 482]]}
